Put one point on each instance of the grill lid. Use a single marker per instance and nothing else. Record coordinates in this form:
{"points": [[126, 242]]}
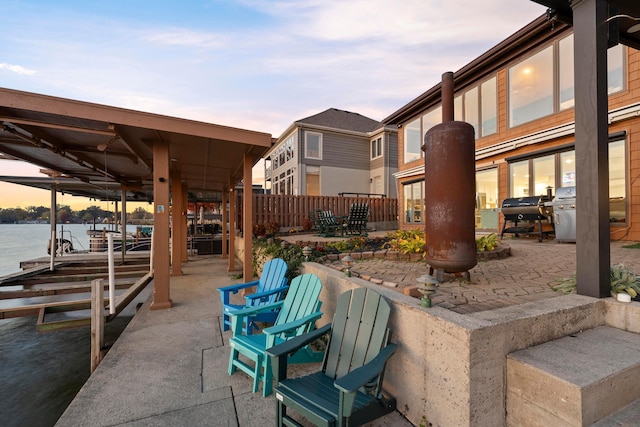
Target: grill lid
{"points": [[564, 193]]}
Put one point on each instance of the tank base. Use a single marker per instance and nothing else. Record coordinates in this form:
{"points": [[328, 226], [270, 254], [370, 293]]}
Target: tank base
{"points": [[439, 274]]}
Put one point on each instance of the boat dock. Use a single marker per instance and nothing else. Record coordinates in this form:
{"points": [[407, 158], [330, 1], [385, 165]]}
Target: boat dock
{"points": [[51, 295], [169, 367]]}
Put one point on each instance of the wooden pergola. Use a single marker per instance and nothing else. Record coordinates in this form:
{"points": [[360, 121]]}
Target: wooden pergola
{"points": [[97, 149], [597, 25]]}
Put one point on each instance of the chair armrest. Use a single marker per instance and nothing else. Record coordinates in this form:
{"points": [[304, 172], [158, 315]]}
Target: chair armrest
{"points": [[364, 374], [249, 311], [290, 326], [298, 342], [237, 316], [235, 288], [279, 353], [251, 298]]}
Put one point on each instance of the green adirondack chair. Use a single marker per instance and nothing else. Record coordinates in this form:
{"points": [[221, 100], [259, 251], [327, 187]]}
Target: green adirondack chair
{"points": [[270, 288], [356, 222], [298, 313], [329, 224], [348, 388]]}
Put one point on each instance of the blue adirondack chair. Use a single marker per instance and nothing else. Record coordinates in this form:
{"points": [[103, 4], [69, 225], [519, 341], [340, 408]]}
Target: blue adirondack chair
{"points": [[298, 312], [348, 388], [270, 288]]}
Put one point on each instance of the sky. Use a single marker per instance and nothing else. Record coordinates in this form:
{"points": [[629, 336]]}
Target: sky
{"points": [[251, 64]]}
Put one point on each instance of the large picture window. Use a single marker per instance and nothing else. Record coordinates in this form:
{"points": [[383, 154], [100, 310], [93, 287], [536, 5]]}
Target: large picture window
{"points": [[531, 88], [533, 176], [532, 82]]}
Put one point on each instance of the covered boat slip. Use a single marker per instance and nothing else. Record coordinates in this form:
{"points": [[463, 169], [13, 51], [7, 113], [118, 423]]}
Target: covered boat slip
{"points": [[111, 153], [60, 298]]}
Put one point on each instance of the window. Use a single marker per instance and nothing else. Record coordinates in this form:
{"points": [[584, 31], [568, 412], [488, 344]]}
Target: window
{"points": [[568, 169], [487, 198], [479, 107], [531, 88], [472, 110], [519, 179], [313, 145], [531, 82], [565, 78], [376, 148], [429, 120], [414, 202], [544, 175], [615, 68], [559, 170], [617, 182], [412, 141], [489, 107]]}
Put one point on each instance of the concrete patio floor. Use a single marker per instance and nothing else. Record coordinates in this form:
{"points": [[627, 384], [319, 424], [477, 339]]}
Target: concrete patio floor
{"points": [[169, 367]]}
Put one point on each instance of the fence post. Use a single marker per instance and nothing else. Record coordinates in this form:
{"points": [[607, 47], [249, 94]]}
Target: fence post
{"points": [[97, 322]]}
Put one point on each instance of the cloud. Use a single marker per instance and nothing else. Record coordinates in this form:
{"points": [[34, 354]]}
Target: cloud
{"points": [[16, 69], [186, 37]]}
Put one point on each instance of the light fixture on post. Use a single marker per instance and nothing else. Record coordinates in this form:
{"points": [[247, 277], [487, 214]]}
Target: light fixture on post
{"points": [[427, 288], [306, 251], [347, 260]]}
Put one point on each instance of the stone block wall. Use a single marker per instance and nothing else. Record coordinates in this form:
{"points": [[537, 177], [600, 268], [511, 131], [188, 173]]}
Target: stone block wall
{"points": [[451, 368]]}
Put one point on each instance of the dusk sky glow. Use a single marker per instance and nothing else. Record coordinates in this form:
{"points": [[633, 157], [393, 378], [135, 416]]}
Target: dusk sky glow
{"points": [[252, 64]]}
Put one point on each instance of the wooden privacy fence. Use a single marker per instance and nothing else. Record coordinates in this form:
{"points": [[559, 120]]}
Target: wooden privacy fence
{"points": [[292, 211]]}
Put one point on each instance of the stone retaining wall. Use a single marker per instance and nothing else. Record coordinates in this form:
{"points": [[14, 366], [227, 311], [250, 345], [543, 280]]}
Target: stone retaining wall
{"points": [[451, 368]]}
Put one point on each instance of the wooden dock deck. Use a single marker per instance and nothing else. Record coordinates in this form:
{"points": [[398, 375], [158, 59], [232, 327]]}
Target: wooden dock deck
{"points": [[51, 295]]}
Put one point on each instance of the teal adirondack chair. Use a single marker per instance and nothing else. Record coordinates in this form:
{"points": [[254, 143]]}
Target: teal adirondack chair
{"points": [[298, 313], [270, 288], [348, 388]]}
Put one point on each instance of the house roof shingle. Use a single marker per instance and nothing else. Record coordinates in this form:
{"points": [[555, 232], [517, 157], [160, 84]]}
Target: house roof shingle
{"points": [[340, 119]]}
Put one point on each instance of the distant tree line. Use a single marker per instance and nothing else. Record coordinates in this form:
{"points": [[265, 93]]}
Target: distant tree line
{"points": [[67, 215]]}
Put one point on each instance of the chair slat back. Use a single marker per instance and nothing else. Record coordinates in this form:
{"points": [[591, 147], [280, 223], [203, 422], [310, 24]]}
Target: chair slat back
{"points": [[358, 332], [272, 277], [301, 300]]}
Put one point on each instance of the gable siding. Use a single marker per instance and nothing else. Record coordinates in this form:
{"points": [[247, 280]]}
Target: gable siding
{"points": [[341, 151]]}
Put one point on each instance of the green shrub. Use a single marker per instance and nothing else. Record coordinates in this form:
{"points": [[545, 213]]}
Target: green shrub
{"points": [[267, 249], [406, 241], [622, 280], [487, 243]]}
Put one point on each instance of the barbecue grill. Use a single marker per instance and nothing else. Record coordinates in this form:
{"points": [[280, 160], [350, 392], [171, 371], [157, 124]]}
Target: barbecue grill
{"points": [[564, 214], [523, 214]]}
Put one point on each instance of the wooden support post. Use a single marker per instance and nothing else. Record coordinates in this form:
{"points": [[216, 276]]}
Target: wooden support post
{"points": [[97, 322], [225, 219], [232, 231], [247, 218], [162, 258], [176, 224], [593, 250]]}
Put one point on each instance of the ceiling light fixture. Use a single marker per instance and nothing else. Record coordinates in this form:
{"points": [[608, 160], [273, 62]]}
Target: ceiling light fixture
{"points": [[633, 28]]}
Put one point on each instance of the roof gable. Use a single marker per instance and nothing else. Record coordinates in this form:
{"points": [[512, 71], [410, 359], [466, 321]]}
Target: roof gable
{"points": [[340, 119]]}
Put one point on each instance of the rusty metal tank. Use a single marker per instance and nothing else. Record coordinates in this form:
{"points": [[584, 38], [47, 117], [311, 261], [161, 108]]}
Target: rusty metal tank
{"points": [[450, 192]]}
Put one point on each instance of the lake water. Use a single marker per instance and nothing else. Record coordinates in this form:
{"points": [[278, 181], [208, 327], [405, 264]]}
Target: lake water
{"points": [[20, 242], [40, 373]]}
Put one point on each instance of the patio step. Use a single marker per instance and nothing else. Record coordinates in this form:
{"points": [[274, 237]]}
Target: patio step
{"points": [[576, 380]]}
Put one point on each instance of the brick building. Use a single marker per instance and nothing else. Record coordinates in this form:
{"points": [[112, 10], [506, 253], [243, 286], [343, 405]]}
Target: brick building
{"points": [[519, 97]]}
